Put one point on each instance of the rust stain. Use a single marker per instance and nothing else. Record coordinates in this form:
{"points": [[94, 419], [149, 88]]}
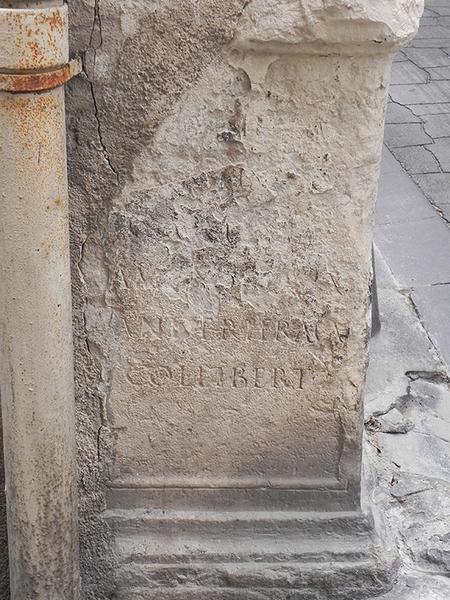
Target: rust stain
{"points": [[36, 52], [55, 21], [38, 82], [39, 38], [58, 201], [35, 120]]}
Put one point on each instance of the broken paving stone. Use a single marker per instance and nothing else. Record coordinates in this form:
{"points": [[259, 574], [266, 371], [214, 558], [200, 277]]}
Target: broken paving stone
{"points": [[435, 186], [439, 73], [437, 126], [391, 422], [397, 113], [408, 72], [441, 150], [417, 159], [427, 57], [434, 108], [401, 490], [438, 551], [408, 134], [421, 93]]}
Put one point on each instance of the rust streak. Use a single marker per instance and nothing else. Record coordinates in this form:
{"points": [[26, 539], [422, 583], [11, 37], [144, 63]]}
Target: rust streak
{"points": [[38, 82]]}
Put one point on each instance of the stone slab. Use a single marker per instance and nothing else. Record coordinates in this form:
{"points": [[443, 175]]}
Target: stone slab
{"points": [[397, 113], [427, 57], [436, 187], [412, 264], [385, 277], [403, 216], [417, 159], [427, 31], [437, 126], [433, 305], [432, 108], [399, 198], [407, 72], [441, 150], [430, 43], [282, 553], [439, 73], [426, 93], [220, 328], [399, 57], [402, 346], [405, 134], [441, 9]]}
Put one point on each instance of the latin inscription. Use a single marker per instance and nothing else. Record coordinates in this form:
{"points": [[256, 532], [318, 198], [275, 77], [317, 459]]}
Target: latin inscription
{"points": [[217, 377], [240, 330]]}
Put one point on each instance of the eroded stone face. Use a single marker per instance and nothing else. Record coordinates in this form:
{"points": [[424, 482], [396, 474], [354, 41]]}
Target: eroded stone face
{"points": [[224, 159], [241, 276]]}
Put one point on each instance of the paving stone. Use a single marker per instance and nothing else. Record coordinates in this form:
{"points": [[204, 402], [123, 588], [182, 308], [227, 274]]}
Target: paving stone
{"points": [[388, 164], [407, 72], [385, 279], [433, 305], [429, 13], [432, 31], [418, 252], [441, 150], [443, 10], [430, 109], [399, 199], [430, 43], [435, 186], [422, 93], [428, 57], [417, 159], [397, 113], [402, 346], [438, 73], [431, 19], [437, 126], [397, 135], [400, 57]]}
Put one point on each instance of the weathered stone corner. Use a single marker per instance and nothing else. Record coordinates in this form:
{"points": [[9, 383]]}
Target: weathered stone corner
{"points": [[224, 161], [342, 26]]}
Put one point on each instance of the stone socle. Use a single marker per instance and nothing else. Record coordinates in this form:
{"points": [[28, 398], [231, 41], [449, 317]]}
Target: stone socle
{"points": [[225, 285]]}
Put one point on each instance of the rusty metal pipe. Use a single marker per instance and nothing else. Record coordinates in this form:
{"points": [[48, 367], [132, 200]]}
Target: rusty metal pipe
{"points": [[36, 350]]}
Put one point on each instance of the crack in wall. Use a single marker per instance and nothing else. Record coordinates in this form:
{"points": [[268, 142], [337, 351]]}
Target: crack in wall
{"points": [[97, 27]]}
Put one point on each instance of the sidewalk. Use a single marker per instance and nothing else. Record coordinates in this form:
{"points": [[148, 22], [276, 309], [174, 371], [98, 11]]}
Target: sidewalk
{"points": [[418, 115], [408, 396]]}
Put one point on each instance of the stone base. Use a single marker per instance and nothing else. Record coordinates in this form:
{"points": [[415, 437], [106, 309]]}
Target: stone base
{"points": [[261, 555]]}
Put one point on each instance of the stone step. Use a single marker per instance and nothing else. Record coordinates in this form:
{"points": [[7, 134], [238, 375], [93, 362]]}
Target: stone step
{"points": [[236, 524], [288, 580], [184, 548], [203, 555]]}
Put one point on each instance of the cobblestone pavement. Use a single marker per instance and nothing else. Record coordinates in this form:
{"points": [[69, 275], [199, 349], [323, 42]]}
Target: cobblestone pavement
{"points": [[418, 114]]}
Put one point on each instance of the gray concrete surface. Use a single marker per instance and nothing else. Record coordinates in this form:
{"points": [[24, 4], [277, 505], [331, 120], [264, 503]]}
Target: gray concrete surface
{"points": [[418, 115], [407, 395]]}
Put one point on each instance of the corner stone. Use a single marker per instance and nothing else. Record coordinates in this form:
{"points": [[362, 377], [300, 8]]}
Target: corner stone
{"points": [[240, 276]]}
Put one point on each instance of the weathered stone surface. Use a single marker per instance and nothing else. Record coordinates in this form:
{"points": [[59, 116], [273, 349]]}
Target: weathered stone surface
{"points": [[223, 173]]}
